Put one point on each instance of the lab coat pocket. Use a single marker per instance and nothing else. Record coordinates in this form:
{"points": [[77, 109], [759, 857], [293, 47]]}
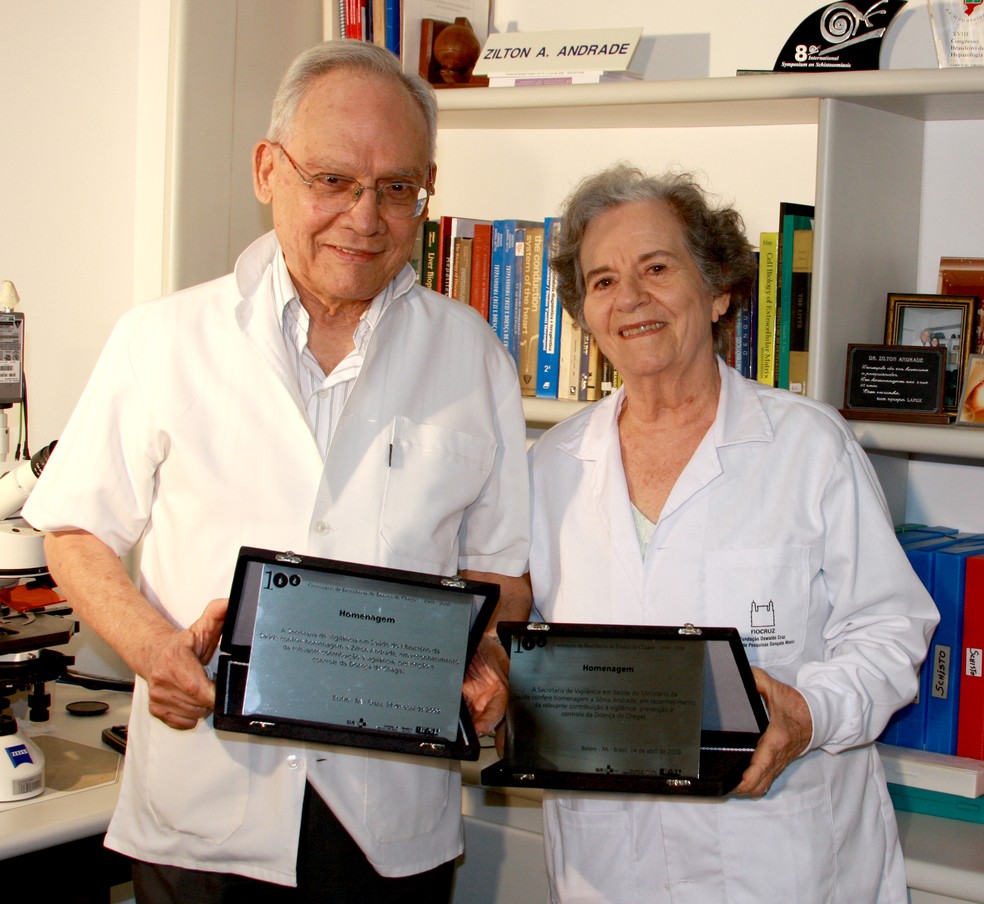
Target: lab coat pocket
{"points": [[765, 594], [405, 799], [589, 851], [434, 474], [196, 784], [779, 849]]}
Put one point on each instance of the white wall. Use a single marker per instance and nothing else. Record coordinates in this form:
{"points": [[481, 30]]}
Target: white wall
{"points": [[69, 77]]}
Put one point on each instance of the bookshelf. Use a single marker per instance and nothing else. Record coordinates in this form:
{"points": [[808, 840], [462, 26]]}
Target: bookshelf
{"points": [[881, 154]]}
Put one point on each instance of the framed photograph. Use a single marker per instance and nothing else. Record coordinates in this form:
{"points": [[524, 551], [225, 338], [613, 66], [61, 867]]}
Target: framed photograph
{"points": [[971, 411], [935, 321]]}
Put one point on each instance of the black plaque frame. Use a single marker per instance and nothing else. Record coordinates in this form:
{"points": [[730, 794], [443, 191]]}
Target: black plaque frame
{"points": [[237, 642], [904, 394], [724, 755]]}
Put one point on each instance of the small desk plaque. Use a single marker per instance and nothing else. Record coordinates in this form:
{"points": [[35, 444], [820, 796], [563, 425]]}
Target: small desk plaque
{"points": [[897, 383]]}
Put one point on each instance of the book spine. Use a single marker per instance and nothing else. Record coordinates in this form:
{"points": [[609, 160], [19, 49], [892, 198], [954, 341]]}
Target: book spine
{"points": [[942, 703], [970, 709], [392, 19], [548, 359], [431, 253], [767, 300], [529, 338], [515, 266], [481, 269], [791, 218], [496, 291]]}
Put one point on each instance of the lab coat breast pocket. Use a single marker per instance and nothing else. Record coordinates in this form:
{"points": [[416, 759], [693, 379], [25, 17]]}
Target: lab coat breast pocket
{"points": [[435, 473], [765, 594]]}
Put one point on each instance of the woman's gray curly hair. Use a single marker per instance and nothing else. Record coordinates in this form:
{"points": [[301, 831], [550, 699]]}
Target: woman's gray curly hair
{"points": [[714, 236]]}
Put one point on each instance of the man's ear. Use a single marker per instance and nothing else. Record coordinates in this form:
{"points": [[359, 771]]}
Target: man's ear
{"points": [[263, 171]]}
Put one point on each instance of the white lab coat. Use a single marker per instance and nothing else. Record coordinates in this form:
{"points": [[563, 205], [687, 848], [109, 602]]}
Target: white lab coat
{"points": [[777, 526], [191, 436]]}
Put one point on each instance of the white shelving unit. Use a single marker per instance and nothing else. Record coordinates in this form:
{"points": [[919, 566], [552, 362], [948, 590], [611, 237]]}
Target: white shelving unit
{"points": [[885, 156]]}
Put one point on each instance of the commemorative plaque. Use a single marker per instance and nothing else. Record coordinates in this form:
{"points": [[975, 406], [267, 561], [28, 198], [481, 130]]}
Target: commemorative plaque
{"points": [[633, 709], [897, 383], [839, 37], [337, 653]]}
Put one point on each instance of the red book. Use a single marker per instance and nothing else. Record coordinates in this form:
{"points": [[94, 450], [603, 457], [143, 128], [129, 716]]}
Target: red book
{"points": [[481, 268], [970, 714]]}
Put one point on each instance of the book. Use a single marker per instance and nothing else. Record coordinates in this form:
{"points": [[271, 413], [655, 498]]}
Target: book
{"points": [[481, 269], [589, 373], [792, 217], [943, 700], [529, 326], [535, 80], [417, 252], [970, 708], [513, 280], [461, 276], [431, 263], [392, 24], [801, 276], [767, 303], [569, 365], [548, 358]]}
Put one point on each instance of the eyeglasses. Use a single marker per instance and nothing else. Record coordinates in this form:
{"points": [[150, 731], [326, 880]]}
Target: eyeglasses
{"points": [[336, 194]]}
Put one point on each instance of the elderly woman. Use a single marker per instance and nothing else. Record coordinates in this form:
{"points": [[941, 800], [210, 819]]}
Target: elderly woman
{"points": [[694, 495]]}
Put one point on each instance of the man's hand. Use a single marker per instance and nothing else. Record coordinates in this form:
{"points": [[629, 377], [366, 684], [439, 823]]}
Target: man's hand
{"points": [[181, 693], [789, 732], [486, 686]]}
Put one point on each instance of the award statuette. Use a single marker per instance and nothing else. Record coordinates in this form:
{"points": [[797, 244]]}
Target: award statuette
{"points": [[838, 37]]}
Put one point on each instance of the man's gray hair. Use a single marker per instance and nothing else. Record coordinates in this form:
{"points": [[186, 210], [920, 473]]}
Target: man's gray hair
{"points": [[358, 56]]}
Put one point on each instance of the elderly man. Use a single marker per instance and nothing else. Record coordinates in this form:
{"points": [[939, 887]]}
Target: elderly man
{"points": [[264, 409]]}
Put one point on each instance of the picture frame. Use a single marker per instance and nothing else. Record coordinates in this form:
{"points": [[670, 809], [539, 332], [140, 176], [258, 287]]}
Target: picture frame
{"points": [[971, 410], [965, 276], [922, 320]]}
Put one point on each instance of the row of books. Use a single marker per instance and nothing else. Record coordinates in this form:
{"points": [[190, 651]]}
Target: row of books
{"points": [[947, 717], [500, 267]]}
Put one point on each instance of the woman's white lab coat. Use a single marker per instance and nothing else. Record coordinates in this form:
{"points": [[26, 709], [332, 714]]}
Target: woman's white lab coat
{"points": [[777, 526]]}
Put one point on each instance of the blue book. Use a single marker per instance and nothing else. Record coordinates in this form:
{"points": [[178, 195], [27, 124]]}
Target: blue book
{"points": [[946, 646], [392, 19], [548, 361]]}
